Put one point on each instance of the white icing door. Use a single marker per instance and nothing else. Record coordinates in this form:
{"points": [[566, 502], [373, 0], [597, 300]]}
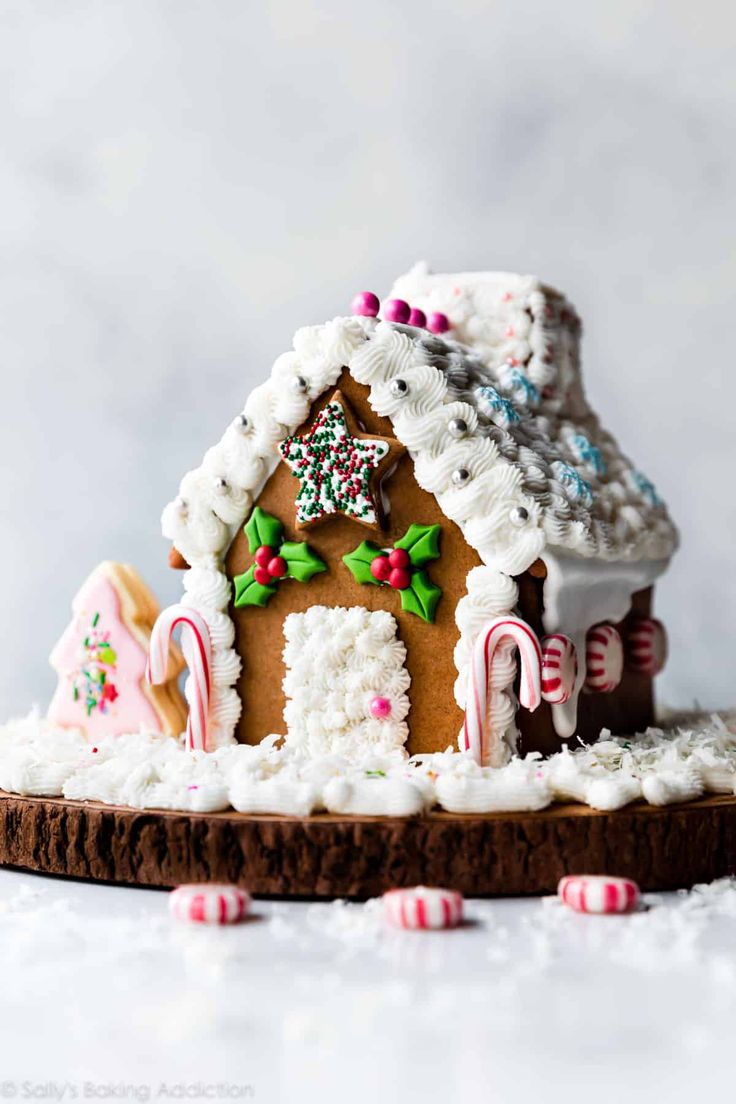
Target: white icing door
{"points": [[346, 681]]}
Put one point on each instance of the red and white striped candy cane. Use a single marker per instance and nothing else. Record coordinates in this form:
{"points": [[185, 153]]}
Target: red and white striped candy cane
{"points": [[197, 649], [500, 634]]}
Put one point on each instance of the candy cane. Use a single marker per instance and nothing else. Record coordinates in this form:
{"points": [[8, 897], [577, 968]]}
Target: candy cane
{"points": [[500, 633], [197, 650]]}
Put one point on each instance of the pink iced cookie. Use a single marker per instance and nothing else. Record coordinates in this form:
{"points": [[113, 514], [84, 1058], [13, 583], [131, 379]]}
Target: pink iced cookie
{"points": [[598, 893], [101, 661], [209, 904], [646, 646], [423, 908], [604, 659], [559, 668]]}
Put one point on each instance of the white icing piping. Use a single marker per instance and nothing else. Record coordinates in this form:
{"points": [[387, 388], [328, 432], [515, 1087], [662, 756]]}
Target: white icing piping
{"points": [[508, 472], [157, 772], [338, 661], [490, 594]]}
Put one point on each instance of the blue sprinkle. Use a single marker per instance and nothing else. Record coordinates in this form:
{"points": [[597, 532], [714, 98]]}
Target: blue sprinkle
{"points": [[587, 453], [647, 488], [573, 480], [520, 382], [496, 406]]}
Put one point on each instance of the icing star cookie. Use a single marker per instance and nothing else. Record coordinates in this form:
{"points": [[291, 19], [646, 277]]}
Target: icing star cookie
{"points": [[338, 467]]}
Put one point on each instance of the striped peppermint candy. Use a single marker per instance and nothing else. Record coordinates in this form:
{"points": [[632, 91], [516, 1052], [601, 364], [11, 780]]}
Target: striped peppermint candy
{"points": [[423, 908], [604, 659], [646, 646], [197, 649], [495, 641], [559, 668], [209, 904], [598, 893]]}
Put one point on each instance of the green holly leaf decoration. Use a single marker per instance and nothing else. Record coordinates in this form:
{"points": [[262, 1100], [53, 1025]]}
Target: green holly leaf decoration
{"points": [[422, 542], [359, 561], [421, 596], [250, 593], [263, 528], [301, 562]]}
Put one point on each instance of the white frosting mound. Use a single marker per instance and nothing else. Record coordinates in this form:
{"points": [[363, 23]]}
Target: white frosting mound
{"points": [[146, 771], [338, 661]]}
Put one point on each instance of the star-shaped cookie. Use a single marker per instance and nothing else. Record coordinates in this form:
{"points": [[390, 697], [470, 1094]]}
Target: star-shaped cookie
{"points": [[337, 466]]}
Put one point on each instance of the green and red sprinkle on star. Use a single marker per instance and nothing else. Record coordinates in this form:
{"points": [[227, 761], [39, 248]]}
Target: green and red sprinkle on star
{"points": [[336, 467]]}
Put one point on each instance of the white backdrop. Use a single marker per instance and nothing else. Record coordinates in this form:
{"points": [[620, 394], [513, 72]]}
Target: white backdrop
{"points": [[182, 184]]}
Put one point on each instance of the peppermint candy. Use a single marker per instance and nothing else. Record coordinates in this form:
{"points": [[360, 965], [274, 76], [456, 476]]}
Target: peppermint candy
{"points": [[423, 908], [559, 668], [598, 893], [646, 646], [209, 904], [604, 659]]}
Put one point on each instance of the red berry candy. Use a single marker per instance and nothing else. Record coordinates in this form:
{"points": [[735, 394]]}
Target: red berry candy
{"points": [[366, 303], [381, 568], [399, 578], [277, 567], [396, 310], [438, 323], [399, 558], [262, 576], [264, 555]]}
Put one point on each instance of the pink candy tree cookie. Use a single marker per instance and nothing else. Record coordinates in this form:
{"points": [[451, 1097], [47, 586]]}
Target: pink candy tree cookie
{"points": [[101, 661]]}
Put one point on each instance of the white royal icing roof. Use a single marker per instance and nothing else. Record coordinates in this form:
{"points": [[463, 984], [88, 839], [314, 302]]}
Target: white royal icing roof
{"points": [[532, 440]]}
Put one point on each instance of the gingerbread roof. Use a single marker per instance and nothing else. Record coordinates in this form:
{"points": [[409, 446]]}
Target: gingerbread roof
{"points": [[493, 413]]}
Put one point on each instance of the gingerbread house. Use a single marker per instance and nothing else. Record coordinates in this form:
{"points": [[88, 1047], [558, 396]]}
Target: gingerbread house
{"points": [[409, 481]]}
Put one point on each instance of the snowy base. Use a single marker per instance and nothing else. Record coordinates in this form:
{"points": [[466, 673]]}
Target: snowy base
{"points": [[695, 756]]}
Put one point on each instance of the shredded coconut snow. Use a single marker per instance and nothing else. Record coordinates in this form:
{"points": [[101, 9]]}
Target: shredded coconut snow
{"points": [[695, 755]]}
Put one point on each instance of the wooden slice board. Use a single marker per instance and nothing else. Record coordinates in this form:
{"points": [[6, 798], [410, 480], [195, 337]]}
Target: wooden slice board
{"points": [[329, 856]]}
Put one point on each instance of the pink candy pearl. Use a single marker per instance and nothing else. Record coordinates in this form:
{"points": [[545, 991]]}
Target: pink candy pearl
{"points": [[438, 322], [396, 310], [380, 707], [417, 318], [366, 303]]}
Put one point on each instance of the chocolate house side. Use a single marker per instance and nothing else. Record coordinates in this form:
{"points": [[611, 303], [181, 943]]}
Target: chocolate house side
{"points": [[386, 494]]}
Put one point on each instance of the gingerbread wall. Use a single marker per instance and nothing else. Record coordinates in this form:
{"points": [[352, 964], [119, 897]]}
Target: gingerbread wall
{"points": [[434, 719]]}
